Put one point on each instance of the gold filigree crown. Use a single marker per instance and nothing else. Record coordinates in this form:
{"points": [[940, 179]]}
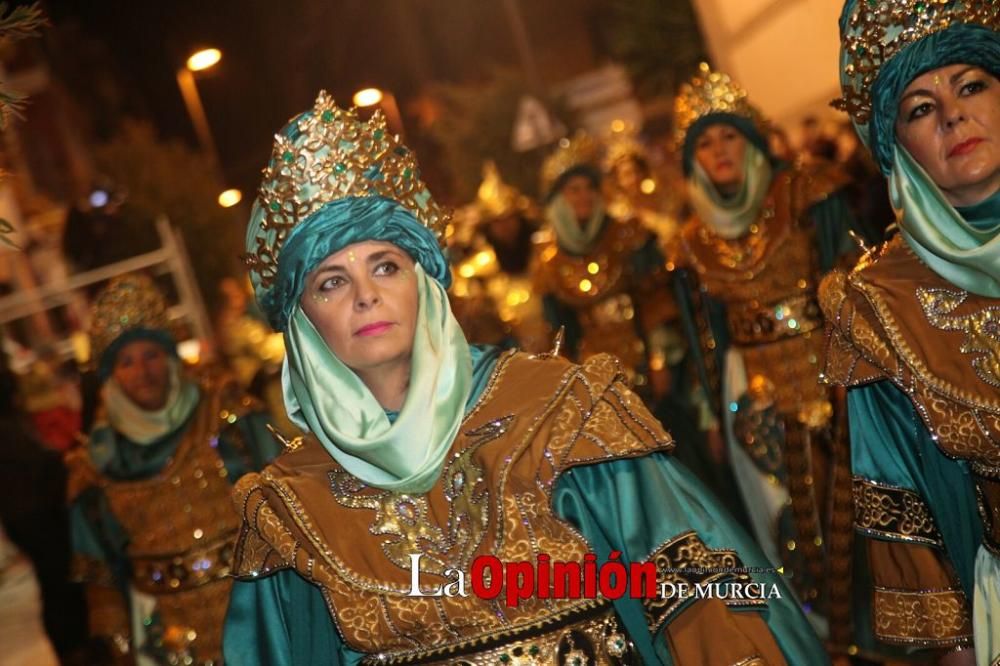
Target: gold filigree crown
{"points": [[325, 155], [709, 92], [495, 198], [580, 149], [621, 146], [126, 303], [879, 29]]}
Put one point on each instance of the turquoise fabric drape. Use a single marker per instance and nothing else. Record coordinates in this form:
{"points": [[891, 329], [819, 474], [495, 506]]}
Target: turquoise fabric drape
{"points": [[890, 444], [612, 506]]}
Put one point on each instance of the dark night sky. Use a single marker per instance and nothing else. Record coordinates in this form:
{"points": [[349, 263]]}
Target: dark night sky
{"points": [[123, 56]]}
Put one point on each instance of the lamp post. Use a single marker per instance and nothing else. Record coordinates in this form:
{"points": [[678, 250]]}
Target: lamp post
{"points": [[385, 100], [199, 61]]}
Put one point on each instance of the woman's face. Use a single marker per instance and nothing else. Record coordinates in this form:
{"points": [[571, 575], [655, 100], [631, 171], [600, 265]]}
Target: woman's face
{"points": [[581, 195], [363, 301], [949, 121], [142, 371], [719, 150], [628, 174]]}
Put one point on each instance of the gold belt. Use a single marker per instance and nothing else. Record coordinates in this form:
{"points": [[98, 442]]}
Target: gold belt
{"points": [[752, 324], [595, 640], [184, 571]]}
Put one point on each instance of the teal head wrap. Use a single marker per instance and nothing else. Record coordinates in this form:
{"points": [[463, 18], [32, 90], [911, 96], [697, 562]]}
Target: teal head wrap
{"points": [[330, 229], [885, 45], [334, 181]]}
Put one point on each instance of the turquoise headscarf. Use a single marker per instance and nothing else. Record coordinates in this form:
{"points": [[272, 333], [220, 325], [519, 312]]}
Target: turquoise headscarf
{"points": [[573, 237], [962, 246], [324, 396], [730, 217]]}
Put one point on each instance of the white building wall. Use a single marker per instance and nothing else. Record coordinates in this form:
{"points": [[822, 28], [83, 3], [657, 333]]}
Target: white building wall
{"points": [[784, 52]]}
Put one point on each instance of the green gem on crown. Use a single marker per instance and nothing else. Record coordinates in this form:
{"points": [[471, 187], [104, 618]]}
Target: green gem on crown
{"points": [[274, 206], [379, 134], [326, 116], [288, 157]]}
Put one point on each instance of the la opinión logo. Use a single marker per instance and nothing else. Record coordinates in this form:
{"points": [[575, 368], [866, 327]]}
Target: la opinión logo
{"points": [[490, 577]]}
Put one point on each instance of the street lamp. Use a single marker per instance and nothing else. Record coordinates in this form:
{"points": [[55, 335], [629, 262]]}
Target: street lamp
{"points": [[367, 97], [385, 100], [203, 59], [197, 62], [230, 198]]}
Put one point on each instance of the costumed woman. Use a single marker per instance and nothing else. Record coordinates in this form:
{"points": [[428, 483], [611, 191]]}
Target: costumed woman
{"points": [[750, 261], [151, 522], [633, 191], [425, 453], [914, 325], [601, 279], [493, 283]]}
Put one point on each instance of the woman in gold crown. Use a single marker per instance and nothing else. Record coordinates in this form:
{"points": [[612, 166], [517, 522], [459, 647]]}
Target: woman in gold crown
{"points": [[151, 523], [914, 333], [493, 283], [601, 279], [634, 192], [752, 256], [424, 453]]}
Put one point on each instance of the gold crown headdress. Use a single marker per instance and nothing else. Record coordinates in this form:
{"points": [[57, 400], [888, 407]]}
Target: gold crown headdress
{"points": [[495, 198], [580, 149], [879, 29], [623, 145], [329, 154], [709, 92], [126, 303]]}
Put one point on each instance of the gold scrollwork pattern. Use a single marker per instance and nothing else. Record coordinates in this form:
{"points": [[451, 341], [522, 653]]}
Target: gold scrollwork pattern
{"points": [[982, 329], [926, 618], [894, 513], [685, 560]]}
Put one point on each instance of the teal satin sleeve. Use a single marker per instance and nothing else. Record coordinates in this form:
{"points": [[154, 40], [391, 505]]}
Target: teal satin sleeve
{"points": [[282, 620], [834, 218], [635, 505], [890, 444]]}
